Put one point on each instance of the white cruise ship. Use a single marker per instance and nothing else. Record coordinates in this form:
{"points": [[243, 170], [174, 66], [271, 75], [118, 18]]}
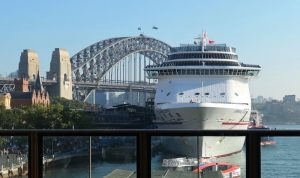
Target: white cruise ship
{"points": [[203, 86]]}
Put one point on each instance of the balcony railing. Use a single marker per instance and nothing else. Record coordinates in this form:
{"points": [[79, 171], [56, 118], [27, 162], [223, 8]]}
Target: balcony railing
{"points": [[143, 145]]}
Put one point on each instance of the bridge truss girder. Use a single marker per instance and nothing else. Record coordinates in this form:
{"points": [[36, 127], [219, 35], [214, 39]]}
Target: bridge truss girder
{"points": [[6, 88], [91, 64]]}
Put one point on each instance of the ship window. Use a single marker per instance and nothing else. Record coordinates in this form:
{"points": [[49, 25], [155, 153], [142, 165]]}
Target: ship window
{"points": [[189, 72], [220, 71], [206, 72], [216, 72], [234, 72], [168, 93], [222, 94], [197, 94], [206, 94], [202, 72], [181, 93], [226, 71], [179, 72]]}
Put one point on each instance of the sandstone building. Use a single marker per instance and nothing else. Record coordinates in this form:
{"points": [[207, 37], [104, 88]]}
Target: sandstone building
{"points": [[23, 97], [5, 100]]}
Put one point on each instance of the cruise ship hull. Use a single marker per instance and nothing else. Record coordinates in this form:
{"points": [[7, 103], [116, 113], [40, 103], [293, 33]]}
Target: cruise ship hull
{"points": [[206, 116]]}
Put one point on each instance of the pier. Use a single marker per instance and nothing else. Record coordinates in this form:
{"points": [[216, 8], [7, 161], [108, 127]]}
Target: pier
{"points": [[13, 165], [118, 173]]}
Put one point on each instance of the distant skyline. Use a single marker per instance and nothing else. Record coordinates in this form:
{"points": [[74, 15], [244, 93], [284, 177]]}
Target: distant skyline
{"points": [[266, 32]]}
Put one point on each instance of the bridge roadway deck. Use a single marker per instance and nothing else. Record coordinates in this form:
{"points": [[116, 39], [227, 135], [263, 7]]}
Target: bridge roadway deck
{"points": [[91, 85], [11, 81], [117, 86]]}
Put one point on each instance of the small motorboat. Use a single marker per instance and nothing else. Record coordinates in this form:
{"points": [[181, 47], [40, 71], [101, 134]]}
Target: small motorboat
{"points": [[267, 141]]}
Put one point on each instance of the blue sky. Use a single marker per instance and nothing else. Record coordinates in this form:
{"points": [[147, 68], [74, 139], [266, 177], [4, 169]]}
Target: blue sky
{"points": [[264, 32]]}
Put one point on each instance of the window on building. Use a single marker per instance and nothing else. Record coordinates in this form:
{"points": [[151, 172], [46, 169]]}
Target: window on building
{"points": [[65, 77]]}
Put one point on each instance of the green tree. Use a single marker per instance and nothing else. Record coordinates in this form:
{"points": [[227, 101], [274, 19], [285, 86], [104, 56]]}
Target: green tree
{"points": [[61, 114]]}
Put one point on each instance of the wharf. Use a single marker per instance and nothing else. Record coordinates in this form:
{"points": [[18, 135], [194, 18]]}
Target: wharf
{"points": [[119, 173], [18, 170]]}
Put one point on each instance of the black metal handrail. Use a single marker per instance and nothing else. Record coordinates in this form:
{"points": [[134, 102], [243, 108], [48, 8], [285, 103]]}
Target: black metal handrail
{"points": [[253, 155]]}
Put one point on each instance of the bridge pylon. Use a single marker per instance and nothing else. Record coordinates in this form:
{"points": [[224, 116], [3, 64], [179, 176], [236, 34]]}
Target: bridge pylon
{"points": [[60, 71], [29, 64]]}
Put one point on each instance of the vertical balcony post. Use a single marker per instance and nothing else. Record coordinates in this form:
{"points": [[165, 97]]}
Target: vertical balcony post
{"points": [[143, 155], [35, 155], [253, 159]]}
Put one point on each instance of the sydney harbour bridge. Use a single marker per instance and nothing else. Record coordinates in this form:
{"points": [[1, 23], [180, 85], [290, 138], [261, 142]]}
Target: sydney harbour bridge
{"points": [[115, 64]]}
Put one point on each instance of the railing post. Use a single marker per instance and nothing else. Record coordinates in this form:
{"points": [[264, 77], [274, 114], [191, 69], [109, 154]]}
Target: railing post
{"points": [[35, 155], [143, 155], [253, 159]]}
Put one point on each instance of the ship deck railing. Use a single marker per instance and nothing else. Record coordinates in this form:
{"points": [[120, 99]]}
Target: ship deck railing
{"points": [[143, 144]]}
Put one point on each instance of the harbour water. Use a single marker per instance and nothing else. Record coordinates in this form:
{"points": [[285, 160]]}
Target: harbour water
{"points": [[280, 160]]}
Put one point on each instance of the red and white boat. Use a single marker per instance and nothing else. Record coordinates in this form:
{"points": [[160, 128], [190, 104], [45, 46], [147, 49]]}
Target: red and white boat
{"points": [[228, 170]]}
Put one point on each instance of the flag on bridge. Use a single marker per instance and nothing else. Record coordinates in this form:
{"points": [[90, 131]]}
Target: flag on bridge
{"points": [[139, 28], [154, 28]]}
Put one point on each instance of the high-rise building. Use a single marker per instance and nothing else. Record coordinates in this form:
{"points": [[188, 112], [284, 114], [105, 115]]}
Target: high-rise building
{"points": [[289, 99]]}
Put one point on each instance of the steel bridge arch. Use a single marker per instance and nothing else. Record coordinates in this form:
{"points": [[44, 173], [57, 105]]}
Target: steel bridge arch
{"points": [[91, 63]]}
